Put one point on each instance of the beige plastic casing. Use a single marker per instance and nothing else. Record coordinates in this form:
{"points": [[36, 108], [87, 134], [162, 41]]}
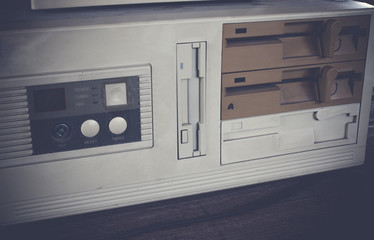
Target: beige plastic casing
{"points": [[53, 185]]}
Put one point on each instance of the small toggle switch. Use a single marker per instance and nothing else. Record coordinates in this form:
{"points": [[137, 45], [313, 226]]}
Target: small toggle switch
{"points": [[184, 136]]}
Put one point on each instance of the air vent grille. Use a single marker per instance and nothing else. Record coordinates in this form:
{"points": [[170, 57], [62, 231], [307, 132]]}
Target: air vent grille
{"points": [[145, 107], [15, 134]]}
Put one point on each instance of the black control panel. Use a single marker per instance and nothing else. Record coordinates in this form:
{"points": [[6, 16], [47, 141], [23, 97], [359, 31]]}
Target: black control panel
{"points": [[84, 114]]}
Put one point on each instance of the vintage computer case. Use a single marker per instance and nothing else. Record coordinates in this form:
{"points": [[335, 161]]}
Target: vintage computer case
{"points": [[103, 108]]}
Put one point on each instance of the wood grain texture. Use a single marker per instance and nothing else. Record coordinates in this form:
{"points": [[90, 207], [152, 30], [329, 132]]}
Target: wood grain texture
{"points": [[331, 205]]}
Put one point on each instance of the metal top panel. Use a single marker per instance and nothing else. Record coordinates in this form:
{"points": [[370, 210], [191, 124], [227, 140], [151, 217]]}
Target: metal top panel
{"points": [[50, 4], [21, 18]]}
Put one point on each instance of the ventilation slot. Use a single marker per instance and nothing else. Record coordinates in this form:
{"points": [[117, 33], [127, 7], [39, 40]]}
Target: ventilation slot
{"points": [[145, 107], [15, 134]]}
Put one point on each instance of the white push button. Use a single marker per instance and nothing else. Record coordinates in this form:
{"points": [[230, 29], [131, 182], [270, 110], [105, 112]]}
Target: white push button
{"points": [[115, 94], [90, 128], [117, 125]]}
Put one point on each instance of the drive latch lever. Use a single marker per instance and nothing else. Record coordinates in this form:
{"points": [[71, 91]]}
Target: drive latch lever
{"points": [[327, 78], [329, 37]]}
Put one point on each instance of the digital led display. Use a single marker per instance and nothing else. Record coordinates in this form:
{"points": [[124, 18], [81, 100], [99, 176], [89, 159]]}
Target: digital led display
{"points": [[48, 100]]}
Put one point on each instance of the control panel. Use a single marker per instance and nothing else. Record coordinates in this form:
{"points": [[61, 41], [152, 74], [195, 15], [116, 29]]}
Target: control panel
{"points": [[85, 114], [95, 111]]}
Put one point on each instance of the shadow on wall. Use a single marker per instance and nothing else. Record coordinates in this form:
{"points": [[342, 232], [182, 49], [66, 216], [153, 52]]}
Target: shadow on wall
{"points": [[371, 120]]}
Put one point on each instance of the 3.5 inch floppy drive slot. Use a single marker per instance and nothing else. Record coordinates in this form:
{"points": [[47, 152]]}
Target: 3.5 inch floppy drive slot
{"points": [[191, 79]]}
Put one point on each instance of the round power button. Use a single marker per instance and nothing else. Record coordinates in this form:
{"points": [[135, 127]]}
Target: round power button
{"points": [[61, 131], [90, 128], [117, 125]]}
